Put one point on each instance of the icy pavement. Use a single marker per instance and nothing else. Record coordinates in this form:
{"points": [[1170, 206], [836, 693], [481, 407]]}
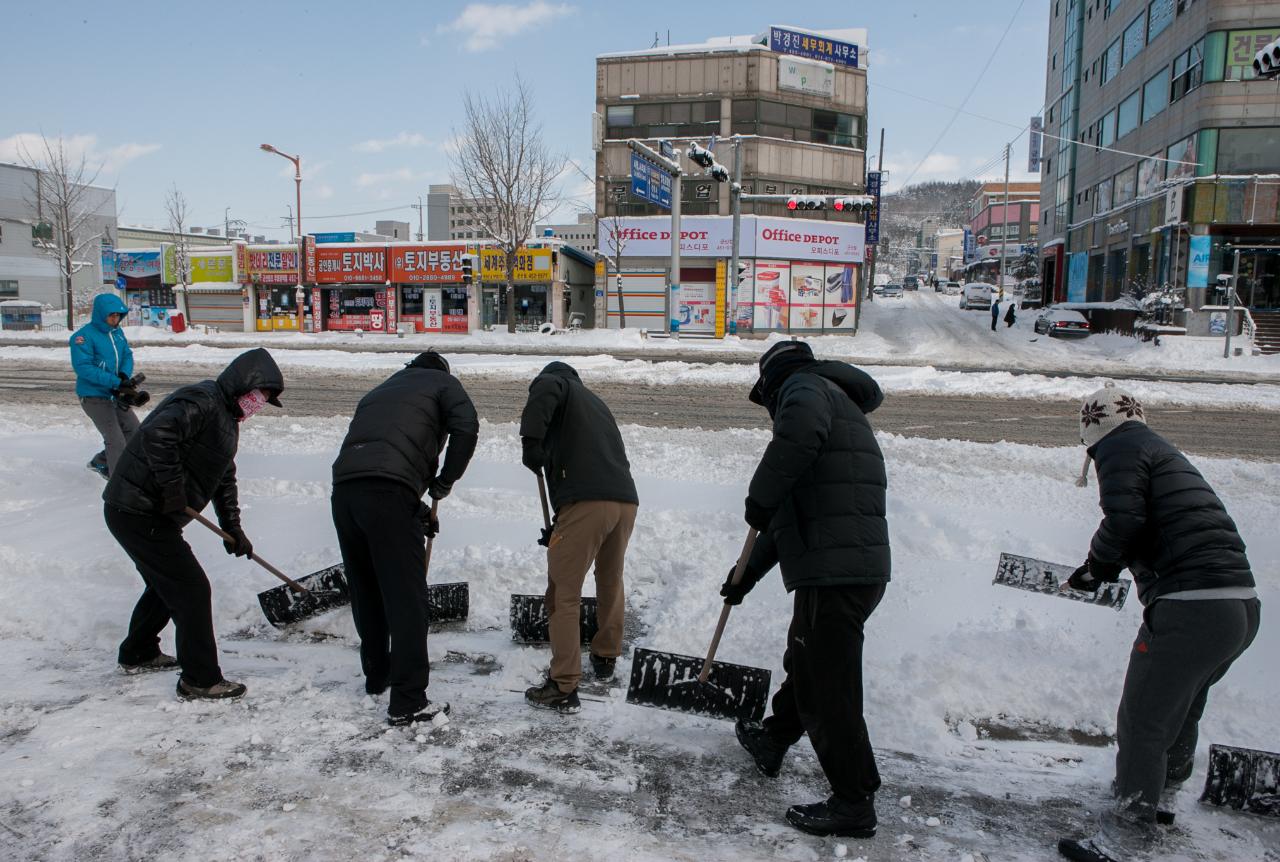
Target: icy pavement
{"points": [[97, 765]]}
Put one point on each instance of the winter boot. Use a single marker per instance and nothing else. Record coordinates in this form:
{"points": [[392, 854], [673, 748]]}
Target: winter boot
{"points": [[220, 690], [427, 713], [835, 817], [159, 662], [602, 667], [549, 696], [99, 466], [763, 748], [374, 686], [1084, 850]]}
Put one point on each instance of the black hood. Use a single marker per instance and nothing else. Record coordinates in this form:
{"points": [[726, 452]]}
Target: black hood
{"points": [[776, 365], [430, 360], [253, 369], [861, 389], [560, 369]]}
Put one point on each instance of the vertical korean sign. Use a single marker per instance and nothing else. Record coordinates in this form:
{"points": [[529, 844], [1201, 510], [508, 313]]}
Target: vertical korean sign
{"points": [[873, 215], [1034, 144]]}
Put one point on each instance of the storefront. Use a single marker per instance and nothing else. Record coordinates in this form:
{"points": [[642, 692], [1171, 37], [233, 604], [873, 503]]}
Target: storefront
{"points": [[213, 296], [428, 279], [351, 290], [139, 275], [794, 276], [533, 275], [275, 273]]}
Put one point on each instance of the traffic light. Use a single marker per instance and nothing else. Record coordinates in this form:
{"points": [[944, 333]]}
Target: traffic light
{"points": [[1266, 63], [701, 156], [806, 203], [468, 274], [719, 173], [859, 204]]}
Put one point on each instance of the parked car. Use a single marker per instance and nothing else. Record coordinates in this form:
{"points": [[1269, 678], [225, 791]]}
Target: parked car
{"points": [[1062, 323], [975, 294], [891, 291], [951, 288], [911, 282]]}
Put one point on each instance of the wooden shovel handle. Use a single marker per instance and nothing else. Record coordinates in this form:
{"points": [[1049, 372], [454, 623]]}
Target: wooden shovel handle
{"points": [[297, 587], [738, 571], [542, 498], [435, 507]]}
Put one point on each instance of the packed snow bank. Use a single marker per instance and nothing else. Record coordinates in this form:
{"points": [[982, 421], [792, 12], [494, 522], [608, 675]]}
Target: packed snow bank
{"points": [[109, 766], [608, 369]]}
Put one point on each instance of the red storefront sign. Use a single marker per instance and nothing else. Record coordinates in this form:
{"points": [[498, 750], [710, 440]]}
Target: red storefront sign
{"points": [[434, 264], [347, 265]]}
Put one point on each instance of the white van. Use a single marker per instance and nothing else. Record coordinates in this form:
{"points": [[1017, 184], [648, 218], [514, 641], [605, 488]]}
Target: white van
{"points": [[975, 295]]}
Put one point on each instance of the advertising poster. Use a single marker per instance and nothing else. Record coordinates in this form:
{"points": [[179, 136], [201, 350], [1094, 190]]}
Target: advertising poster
{"points": [[134, 300], [838, 308], [745, 296], [772, 289], [455, 309], [1198, 261], [808, 287], [1077, 276], [697, 311], [432, 311]]}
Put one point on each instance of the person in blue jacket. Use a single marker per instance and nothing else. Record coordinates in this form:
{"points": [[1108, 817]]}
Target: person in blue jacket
{"points": [[102, 361]]}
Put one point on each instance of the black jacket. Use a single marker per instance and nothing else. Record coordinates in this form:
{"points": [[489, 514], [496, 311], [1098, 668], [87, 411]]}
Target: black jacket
{"points": [[190, 441], [1161, 520], [577, 439], [823, 479], [400, 428]]}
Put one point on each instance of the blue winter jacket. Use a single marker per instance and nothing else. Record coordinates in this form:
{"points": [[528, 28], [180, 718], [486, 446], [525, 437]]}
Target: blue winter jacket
{"points": [[99, 352]]}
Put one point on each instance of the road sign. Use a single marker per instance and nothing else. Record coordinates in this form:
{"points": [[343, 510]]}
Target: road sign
{"points": [[650, 182], [667, 149]]}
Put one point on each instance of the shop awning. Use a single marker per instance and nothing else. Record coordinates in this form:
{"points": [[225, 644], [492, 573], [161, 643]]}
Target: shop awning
{"points": [[210, 287]]}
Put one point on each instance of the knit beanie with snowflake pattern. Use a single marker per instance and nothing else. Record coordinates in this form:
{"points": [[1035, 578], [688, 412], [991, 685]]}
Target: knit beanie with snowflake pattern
{"points": [[1101, 413]]}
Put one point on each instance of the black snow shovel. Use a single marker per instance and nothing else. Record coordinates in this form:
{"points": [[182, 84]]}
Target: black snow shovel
{"points": [[1038, 576], [529, 615], [1243, 779], [702, 686]]}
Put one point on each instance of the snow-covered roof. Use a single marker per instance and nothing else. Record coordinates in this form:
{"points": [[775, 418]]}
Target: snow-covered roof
{"points": [[742, 44]]}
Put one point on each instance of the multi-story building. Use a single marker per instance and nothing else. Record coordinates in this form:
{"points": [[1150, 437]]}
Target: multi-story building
{"points": [[1161, 151], [581, 234], [27, 269], [133, 237], [452, 216], [1001, 227]]}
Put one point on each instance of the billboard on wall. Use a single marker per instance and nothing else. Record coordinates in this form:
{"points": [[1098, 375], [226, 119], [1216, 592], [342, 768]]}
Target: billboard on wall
{"points": [[700, 236], [806, 76], [269, 265], [427, 264], [806, 239], [801, 44], [347, 264], [1198, 261], [532, 266], [138, 264], [712, 236]]}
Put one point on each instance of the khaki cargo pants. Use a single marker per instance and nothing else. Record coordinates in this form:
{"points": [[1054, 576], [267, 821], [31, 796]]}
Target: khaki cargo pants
{"points": [[586, 531]]}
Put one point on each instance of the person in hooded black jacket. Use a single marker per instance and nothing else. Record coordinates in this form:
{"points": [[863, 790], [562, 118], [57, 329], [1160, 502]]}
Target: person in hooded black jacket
{"points": [[1163, 522], [569, 433], [182, 457], [388, 460], [818, 501]]}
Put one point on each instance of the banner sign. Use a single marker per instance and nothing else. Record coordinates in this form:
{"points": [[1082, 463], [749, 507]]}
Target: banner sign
{"points": [[874, 182], [1242, 45], [806, 239], [712, 236], [798, 44], [1034, 142], [338, 236], [211, 267], [138, 264], [970, 246], [532, 266], [1198, 262], [108, 262], [816, 79], [1077, 276], [269, 265], [427, 264], [347, 265]]}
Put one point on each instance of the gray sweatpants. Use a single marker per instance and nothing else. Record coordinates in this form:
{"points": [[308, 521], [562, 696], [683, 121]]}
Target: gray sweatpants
{"points": [[1183, 648], [115, 423]]}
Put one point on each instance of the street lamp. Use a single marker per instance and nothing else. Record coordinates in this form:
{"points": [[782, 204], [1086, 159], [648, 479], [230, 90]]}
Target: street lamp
{"points": [[297, 178]]}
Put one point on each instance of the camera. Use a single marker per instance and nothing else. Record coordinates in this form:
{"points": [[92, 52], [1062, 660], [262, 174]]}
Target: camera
{"points": [[129, 395]]}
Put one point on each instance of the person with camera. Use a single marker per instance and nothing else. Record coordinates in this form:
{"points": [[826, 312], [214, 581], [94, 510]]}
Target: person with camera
{"points": [[388, 460], [105, 384], [181, 458]]}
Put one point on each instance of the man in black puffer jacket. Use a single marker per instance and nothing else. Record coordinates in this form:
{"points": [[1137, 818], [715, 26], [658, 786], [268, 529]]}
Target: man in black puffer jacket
{"points": [[183, 456], [388, 460], [1163, 522], [818, 500], [569, 433]]}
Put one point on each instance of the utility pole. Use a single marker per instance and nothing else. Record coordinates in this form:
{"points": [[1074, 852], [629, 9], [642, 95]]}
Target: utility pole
{"points": [[875, 255], [418, 207], [1231, 304], [226, 223], [1004, 238], [289, 219], [735, 199]]}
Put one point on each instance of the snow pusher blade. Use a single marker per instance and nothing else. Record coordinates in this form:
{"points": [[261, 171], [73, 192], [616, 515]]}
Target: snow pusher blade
{"points": [[327, 589], [1038, 576], [1243, 779], [701, 685], [530, 620]]}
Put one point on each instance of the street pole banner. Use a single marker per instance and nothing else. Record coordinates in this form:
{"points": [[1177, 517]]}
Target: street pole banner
{"points": [[1034, 144], [874, 179]]}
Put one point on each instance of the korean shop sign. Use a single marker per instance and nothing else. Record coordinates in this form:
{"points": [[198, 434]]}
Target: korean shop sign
{"points": [[421, 264], [348, 264], [814, 47], [532, 266]]}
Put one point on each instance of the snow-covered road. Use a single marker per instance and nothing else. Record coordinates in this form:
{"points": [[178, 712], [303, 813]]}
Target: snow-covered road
{"points": [[96, 765]]}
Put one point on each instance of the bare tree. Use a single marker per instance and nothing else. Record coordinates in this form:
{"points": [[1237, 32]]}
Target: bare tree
{"points": [[175, 210], [66, 210], [617, 239], [504, 165]]}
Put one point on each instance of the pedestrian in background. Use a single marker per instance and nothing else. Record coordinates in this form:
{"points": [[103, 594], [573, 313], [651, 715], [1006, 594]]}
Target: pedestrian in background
{"points": [[103, 361], [1011, 316], [995, 313]]}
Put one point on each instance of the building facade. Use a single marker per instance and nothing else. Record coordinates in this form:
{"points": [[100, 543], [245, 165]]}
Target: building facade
{"points": [[998, 227], [1164, 151], [451, 216], [580, 234], [27, 269]]}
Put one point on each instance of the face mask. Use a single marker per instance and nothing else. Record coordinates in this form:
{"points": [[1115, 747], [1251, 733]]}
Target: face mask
{"points": [[251, 403]]}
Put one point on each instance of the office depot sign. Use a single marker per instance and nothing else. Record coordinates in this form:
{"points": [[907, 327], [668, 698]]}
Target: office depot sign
{"points": [[712, 236]]}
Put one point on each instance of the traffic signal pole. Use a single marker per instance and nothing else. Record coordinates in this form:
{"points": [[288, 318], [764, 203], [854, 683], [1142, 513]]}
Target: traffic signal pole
{"points": [[735, 198]]}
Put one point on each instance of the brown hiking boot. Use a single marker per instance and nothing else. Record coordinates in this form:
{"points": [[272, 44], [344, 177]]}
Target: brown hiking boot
{"points": [[220, 690], [151, 665]]}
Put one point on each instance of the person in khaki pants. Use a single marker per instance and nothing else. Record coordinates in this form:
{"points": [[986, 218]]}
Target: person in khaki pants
{"points": [[569, 434]]}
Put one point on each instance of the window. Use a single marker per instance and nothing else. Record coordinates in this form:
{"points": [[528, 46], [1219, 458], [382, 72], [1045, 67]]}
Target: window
{"points": [[1102, 199], [1159, 16], [1150, 173], [1108, 129], [1135, 36], [1155, 94], [1188, 71], [8, 288], [1127, 120], [1182, 157], [1249, 151], [1126, 184], [664, 119], [620, 115], [1111, 62]]}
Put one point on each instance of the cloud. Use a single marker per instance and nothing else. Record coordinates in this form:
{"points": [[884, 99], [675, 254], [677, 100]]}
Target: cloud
{"points": [[485, 25], [404, 139], [29, 145], [322, 192]]}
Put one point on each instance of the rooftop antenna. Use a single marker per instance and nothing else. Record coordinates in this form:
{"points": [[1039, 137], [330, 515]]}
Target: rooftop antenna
{"points": [[657, 39]]}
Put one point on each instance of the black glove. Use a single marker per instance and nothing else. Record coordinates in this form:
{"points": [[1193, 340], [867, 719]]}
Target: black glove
{"points": [[239, 543], [1081, 579], [735, 593], [545, 539], [438, 489], [758, 516], [531, 455], [173, 499], [1106, 572], [430, 523]]}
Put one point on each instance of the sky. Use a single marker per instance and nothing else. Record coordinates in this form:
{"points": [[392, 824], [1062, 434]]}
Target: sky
{"points": [[165, 94]]}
